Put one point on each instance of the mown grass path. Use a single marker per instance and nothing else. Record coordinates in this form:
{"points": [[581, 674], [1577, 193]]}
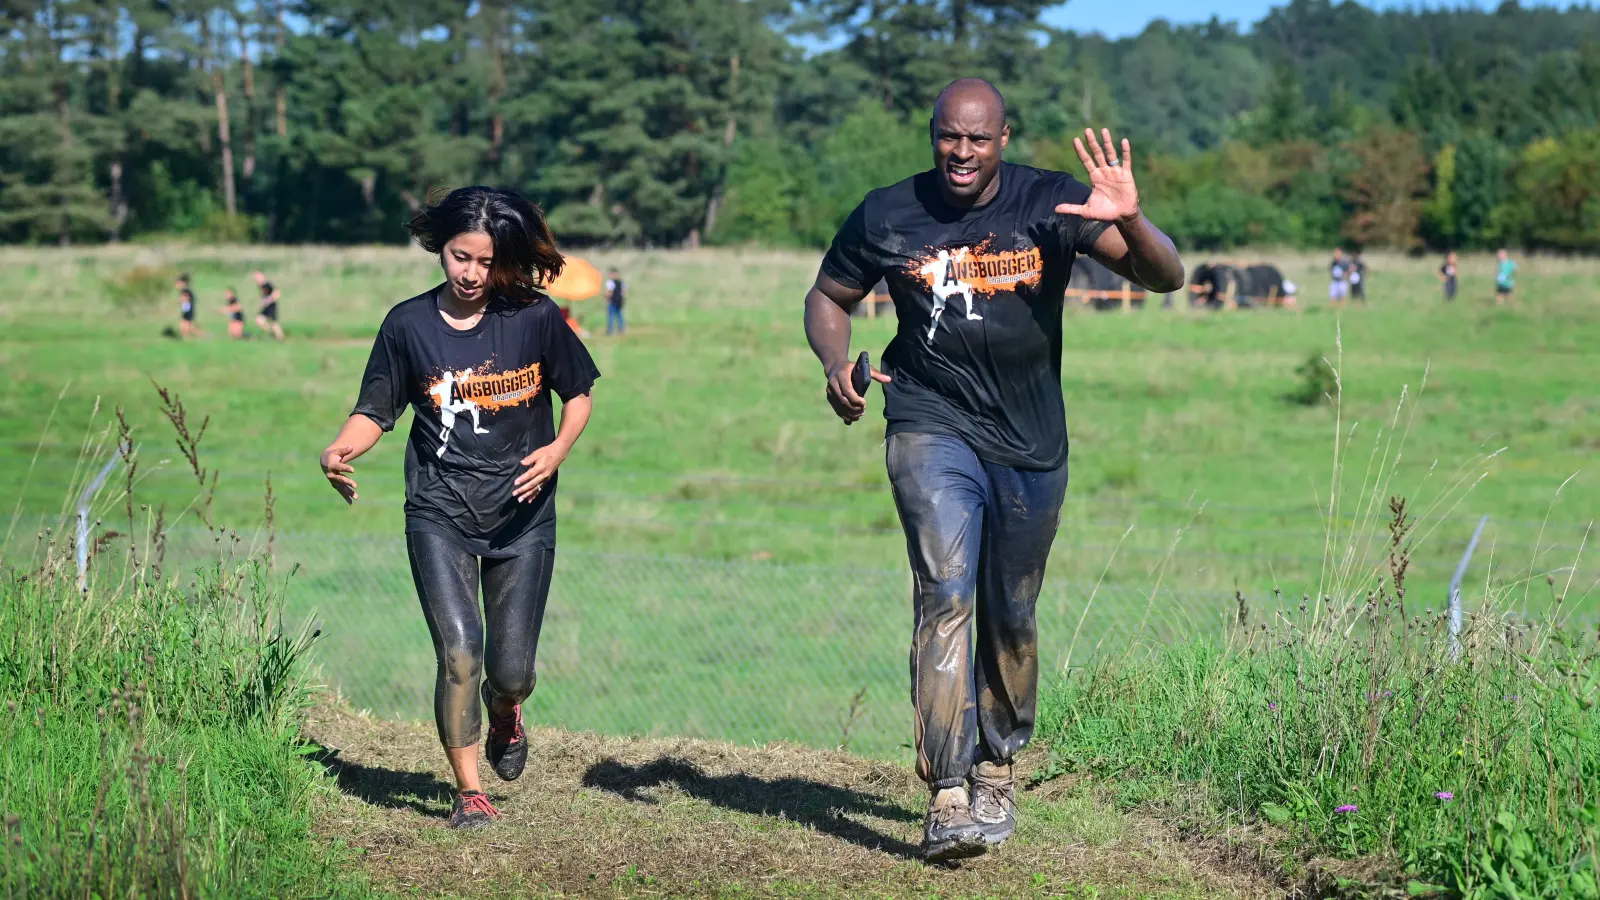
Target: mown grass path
{"points": [[602, 816]]}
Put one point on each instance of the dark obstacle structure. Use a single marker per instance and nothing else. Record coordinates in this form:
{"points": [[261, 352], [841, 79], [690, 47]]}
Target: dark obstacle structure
{"points": [[1226, 285], [1095, 285]]}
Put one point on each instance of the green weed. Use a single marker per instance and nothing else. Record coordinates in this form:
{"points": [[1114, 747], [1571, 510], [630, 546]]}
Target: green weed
{"points": [[150, 748], [139, 289], [1360, 722], [1317, 382]]}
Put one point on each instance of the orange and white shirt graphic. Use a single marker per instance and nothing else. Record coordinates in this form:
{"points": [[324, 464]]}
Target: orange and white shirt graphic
{"points": [[473, 390], [973, 272]]}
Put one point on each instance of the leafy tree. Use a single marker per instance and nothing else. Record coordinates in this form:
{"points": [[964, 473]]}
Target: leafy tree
{"points": [[1478, 187], [665, 122], [1385, 189], [910, 48], [1439, 213], [1555, 197]]}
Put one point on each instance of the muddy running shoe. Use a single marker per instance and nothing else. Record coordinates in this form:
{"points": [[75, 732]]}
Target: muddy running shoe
{"points": [[507, 746], [948, 832], [994, 801], [472, 810]]}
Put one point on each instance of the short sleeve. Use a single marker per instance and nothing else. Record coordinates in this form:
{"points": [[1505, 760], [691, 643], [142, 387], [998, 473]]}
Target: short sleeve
{"points": [[383, 385], [851, 260], [569, 370], [1077, 233]]}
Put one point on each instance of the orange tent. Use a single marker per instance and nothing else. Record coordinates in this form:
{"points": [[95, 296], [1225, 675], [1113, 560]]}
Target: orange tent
{"points": [[579, 280]]}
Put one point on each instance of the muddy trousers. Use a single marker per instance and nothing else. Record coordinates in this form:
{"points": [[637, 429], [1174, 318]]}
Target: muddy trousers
{"points": [[978, 536], [514, 593]]}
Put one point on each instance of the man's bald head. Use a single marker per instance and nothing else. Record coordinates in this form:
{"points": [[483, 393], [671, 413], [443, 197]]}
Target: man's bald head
{"points": [[969, 132], [966, 90]]}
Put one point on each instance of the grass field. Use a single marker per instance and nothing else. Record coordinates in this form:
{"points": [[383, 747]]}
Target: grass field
{"points": [[710, 442]]}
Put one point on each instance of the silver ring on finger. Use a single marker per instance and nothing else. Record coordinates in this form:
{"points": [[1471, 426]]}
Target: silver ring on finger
{"points": [[1114, 162]]}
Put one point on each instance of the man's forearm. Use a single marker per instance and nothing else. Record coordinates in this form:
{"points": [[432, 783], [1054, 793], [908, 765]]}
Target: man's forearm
{"points": [[827, 329], [1152, 258]]}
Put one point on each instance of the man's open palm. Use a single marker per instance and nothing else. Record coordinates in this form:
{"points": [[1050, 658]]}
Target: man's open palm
{"points": [[1112, 194]]}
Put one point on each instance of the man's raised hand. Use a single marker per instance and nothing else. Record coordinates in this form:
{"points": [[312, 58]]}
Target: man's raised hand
{"points": [[1112, 194]]}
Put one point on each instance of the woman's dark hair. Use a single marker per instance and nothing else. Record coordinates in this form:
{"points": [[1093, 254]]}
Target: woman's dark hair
{"points": [[525, 255]]}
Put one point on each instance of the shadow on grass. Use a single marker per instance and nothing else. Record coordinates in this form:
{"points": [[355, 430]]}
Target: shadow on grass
{"points": [[389, 788], [824, 807]]}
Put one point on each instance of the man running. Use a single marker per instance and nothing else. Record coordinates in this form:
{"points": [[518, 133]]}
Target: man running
{"points": [[1505, 278], [267, 318], [977, 440]]}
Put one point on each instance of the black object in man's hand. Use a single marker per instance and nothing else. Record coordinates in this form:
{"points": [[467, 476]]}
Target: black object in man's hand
{"points": [[861, 375]]}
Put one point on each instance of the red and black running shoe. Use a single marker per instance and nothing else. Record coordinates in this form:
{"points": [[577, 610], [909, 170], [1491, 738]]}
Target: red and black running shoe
{"points": [[472, 810], [507, 746]]}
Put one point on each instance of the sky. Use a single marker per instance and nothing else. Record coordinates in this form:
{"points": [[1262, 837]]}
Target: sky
{"points": [[1125, 18]]}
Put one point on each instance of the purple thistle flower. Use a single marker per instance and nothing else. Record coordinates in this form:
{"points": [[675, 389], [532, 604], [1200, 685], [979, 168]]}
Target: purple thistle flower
{"points": [[1446, 796], [1347, 808], [1272, 705]]}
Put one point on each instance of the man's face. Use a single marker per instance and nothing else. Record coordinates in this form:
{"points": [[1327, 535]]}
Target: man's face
{"points": [[1337, 253], [969, 132]]}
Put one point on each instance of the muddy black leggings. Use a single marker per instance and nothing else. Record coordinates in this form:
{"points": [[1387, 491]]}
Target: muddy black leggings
{"points": [[514, 593]]}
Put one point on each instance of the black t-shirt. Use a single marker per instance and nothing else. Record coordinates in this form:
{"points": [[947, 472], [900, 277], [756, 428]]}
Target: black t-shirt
{"points": [[614, 292], [978, 293], [266, 292], [482, 403]]}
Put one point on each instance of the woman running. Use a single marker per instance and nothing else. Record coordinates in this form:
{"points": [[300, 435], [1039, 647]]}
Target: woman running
{"points": [[476, 358], [235, 314]]}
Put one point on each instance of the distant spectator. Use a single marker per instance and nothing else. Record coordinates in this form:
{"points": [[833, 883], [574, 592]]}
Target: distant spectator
{"points": [[616, 293], [1338, 277], [1505, 278], [186, 326], [235, 314], [267, 318], [1447, 275], [1358, 279]]}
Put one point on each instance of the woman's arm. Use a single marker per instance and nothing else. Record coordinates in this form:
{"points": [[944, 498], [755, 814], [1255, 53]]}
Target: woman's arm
{"points": [[358, 435], [543, 462]]}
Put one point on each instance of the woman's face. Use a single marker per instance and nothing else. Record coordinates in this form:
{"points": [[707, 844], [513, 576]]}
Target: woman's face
{"points": [[466, 259]]}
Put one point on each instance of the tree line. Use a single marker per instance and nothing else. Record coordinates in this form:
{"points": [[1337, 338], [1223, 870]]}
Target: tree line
{"points": [[677, 122]]}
